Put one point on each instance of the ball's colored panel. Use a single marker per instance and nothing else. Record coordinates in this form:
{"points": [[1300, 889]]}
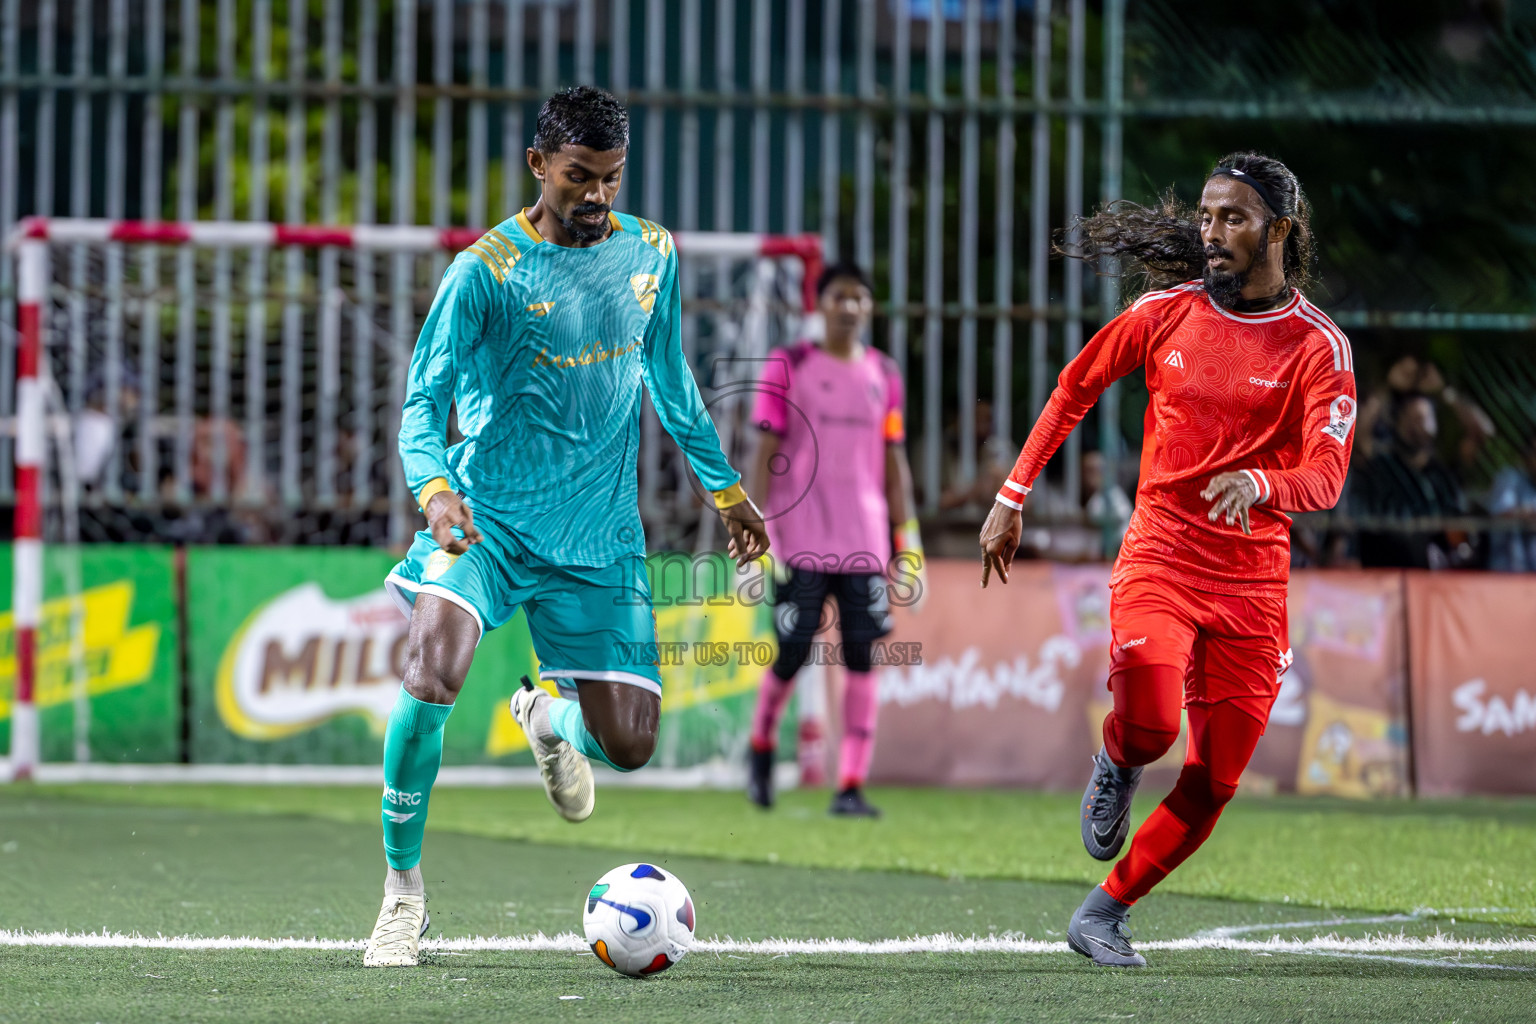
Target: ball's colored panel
{"points": [[685, 914], [647, 871], [657, 965], [594, 897], [601, 949]]}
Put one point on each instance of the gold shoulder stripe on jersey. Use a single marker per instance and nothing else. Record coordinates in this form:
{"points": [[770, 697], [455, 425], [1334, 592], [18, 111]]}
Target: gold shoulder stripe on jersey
{"points": [[510, 252], [494, 253], [657, 237], [613, 221], [541, 308], [495, 267]]}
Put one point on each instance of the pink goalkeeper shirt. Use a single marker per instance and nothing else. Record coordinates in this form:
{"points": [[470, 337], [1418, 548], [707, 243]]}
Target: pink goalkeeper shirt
{"points": [[826, 504]]}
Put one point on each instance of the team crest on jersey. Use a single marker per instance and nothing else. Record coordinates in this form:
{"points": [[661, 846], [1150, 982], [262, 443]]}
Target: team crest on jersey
{"points": [[1174, 359], [438, 562], [645, 286], [1341, 417]]}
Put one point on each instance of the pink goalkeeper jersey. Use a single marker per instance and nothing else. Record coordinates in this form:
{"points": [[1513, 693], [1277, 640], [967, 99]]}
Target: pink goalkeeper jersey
{"points": [[826, 504]]}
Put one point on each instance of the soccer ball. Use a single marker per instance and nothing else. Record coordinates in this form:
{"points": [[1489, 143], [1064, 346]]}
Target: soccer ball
{"points": [[639, 920]]}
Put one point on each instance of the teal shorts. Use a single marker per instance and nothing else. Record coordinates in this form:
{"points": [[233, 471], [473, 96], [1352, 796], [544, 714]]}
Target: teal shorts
{"points": [[587, 623]]}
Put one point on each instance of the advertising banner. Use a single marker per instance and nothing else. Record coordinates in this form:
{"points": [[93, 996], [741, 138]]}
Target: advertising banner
{"points": [[1474, 682], [1003, 692], [296, 657], [117, 666], [1011, 686], [1340, 725]]}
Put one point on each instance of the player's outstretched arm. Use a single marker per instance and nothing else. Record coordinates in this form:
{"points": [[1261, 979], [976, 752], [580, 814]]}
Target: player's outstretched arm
{"points": [[675, 395], [458, 317], [1314, 482], [1000, 536]]}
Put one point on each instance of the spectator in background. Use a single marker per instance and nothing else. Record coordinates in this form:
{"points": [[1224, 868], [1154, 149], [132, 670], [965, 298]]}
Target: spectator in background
{"points": [[1408, 377], [1090, 530], [97, 435], [994, 460], [1405, 479], [1513, 496], [1105, 503]]}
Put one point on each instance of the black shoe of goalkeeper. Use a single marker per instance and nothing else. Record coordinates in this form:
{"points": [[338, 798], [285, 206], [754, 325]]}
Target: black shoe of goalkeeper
{"points": [[850, 803], [1098, 931], [1106, 810], [760, 777]]}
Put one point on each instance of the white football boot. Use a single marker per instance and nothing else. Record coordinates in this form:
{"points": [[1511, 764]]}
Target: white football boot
{"points": [[396, 938], [567, 775]]}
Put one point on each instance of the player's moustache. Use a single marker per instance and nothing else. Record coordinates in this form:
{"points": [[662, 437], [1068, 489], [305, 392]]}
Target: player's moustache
{"points": [[1213, 252], [590, 210]]}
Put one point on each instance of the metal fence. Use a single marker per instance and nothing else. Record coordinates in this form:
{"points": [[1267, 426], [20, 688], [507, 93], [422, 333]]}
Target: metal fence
{"points": [[940, 142]]}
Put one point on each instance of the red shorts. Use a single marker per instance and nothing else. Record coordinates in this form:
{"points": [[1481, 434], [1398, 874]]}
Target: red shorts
{"points": [[1229, 648]]}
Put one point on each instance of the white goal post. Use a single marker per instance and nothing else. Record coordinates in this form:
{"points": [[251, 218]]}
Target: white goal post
{"points": [[93, 297]]}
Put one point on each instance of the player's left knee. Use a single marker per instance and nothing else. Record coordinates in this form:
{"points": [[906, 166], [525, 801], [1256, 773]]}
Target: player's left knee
{"points": [[630, 750], [1202, 792], [1217, 793]]}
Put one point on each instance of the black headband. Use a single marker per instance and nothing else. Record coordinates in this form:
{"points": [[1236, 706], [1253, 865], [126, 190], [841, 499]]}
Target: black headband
{"points": [[1278, 209]]}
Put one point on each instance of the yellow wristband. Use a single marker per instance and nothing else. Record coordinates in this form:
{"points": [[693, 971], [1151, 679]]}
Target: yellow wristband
{"points": [[433, 486], [909, 537], [732, 495]]}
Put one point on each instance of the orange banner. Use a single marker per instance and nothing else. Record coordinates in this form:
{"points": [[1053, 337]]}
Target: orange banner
{"points": [[1474, 682], [1012, 685]]}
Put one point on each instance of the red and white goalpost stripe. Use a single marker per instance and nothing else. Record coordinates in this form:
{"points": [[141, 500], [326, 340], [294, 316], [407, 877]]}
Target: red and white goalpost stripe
{"points": [[30, 241], [27, 572], [385, 238]]}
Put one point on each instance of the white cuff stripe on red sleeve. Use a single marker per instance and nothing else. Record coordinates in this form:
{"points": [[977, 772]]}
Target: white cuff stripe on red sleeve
{"points": [[1019, 505], [1016, 486], [1260, 484]]}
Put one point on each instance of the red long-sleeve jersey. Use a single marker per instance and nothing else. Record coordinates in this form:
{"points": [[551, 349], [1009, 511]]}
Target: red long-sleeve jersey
{"points": [[1271, 394]]}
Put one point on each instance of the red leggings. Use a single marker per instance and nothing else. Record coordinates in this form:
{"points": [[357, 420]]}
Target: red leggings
{"points": [[1142, 728]]}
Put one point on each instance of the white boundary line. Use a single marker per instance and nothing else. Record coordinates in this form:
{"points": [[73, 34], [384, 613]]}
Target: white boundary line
{"points": [[1009, 942]]}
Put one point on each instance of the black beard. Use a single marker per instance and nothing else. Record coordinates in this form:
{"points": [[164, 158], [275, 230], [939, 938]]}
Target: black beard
{"points": [[584, 232], [1226, 288]]}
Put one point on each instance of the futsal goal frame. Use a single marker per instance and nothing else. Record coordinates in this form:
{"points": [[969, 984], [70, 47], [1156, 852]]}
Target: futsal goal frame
{"points": [[30, 244]]}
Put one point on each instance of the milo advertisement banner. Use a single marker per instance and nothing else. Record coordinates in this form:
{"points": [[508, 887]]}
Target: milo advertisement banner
{"points": [[296, 657], [107, 683]]}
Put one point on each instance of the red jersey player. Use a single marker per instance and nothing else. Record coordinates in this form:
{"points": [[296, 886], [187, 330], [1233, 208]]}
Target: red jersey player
{"points": [[1251, 416]]}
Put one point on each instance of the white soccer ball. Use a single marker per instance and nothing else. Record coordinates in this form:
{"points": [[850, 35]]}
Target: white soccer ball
{"points": [[639, 919]]}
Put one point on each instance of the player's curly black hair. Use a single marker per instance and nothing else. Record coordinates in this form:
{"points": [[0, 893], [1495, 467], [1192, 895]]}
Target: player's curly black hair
{"points": [[1162, 244], [582, 116]]}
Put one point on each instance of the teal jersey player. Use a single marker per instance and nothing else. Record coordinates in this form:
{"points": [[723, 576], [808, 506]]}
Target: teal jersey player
{"points": [[541, 337], [543, 349]]}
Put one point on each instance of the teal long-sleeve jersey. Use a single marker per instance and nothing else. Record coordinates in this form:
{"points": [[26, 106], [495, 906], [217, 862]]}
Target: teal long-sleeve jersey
{"points": [[542, 349]]}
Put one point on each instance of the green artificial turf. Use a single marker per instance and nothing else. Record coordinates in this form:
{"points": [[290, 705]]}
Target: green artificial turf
{"points": [[1471, 860], [290, 862]]}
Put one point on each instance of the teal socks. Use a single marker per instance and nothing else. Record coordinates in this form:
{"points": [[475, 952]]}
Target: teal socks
{"points": [[566, 721], [413, 750]]}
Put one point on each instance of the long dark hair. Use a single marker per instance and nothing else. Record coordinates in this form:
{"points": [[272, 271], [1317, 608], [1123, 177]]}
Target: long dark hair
{"points": [[1161, 244]]}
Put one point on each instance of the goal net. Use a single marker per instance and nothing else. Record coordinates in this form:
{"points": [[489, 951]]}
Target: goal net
{"points": [[214, 383]]}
